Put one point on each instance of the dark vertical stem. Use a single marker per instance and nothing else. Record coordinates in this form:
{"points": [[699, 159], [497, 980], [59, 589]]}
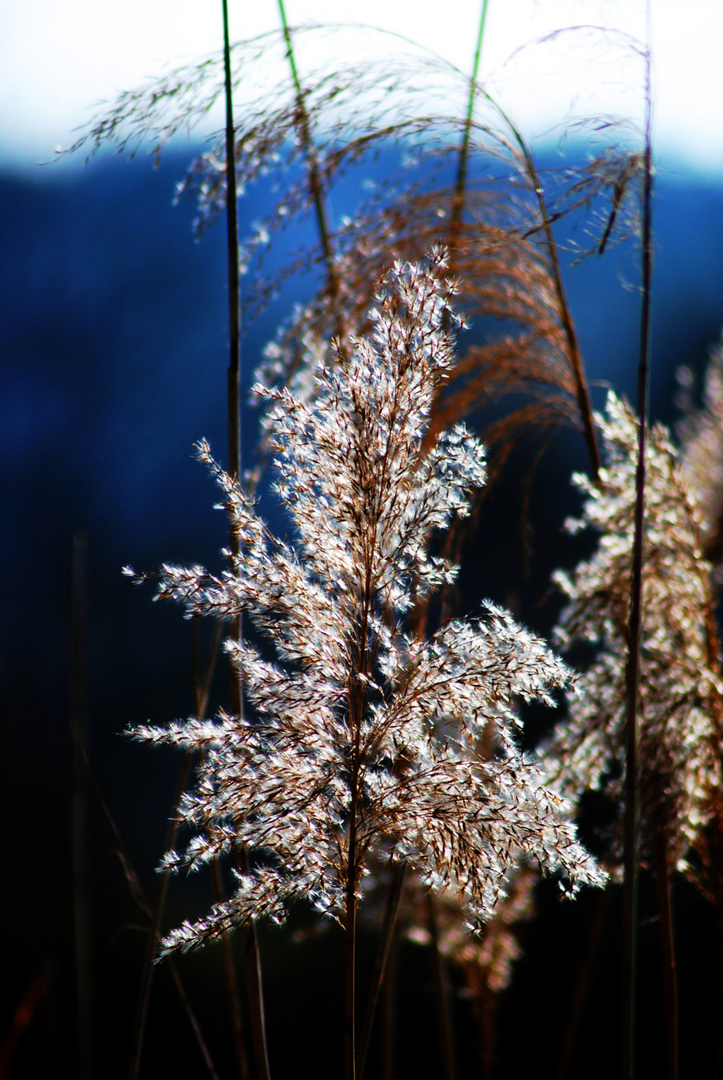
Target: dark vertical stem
{"points": [[441, 987], [140, 898], [574, 356], [201, 689], [79, 803], [667, 954], [582, 393], [181, 990], [389, 1012], [350, 954], [251, 952], [256, 998], [380, 964], [463, 161], [229, 970], [234, 313], [717, 886], [255, 988], [144, 994], [631, 815], [584, 979], [485, 1014]]}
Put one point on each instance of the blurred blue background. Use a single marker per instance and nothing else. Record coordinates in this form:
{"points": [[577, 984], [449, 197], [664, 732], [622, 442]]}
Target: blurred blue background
{"points": [[113, 353]]}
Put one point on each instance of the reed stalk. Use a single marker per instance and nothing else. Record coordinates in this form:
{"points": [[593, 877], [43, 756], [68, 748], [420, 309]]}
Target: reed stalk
{"points": [[79, 803], [632, 798], [303, 124], [251, 950], [463, 162], [441, 996], [381, 964]]}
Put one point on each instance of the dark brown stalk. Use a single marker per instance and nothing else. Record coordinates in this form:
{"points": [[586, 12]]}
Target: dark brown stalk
{"points": [[381, 964], [139, 896], [314, 178], [631, 814], [255, 988], [584, 979], [441, 989], [356, 716], [350, 949], [388, 1013], [229, 971], [484, 1001], [716, 848], [144, 994], [251, 952], [667, 954], [79, 797], [181, 990], [717, 890], [234, 312], [201, 691], [463, 162], [582, 393]]}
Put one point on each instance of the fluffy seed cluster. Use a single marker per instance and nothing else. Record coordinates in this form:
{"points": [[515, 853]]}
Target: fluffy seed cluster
{"points": [[679, 711], [360, 737]]}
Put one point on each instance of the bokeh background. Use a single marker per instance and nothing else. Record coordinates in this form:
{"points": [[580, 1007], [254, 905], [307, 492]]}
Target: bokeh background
{"points": [[113, 354]]}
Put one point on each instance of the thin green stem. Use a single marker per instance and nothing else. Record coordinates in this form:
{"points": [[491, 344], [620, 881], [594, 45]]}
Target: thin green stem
{"points": [[463, 161]]}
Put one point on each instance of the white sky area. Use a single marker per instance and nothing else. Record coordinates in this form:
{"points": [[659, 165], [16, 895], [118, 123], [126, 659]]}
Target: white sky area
{"points": [[59, 58]]}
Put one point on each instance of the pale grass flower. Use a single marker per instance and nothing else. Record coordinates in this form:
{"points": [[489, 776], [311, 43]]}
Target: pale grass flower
{"points": [[679, 697], [360, 738]]}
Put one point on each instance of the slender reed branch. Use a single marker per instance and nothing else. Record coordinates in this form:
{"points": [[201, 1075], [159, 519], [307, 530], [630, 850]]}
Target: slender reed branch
{"points": [[381, 964], [632, 813], [584, 979], [255, 989], [388, 1012], [229, 971], [181, 990], [303, 124], [573, 349], [79, 799], [463, 161], [156, 916], [201, 691], [251, 952], [140, 898], [234, 312], [350, 1072], [441, 987], [667, 954], [582, 393]]}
